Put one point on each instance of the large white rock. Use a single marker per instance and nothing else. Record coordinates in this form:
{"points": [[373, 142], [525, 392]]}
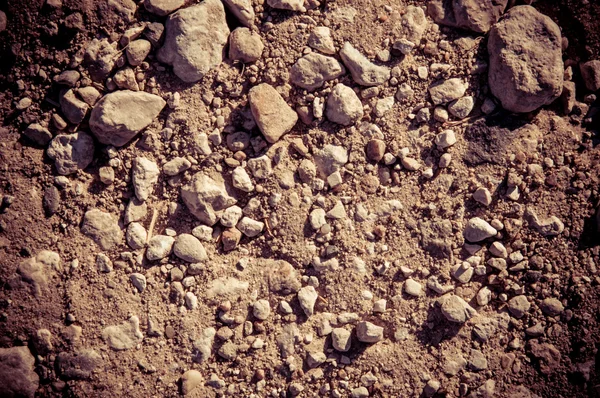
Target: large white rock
{"points": [[343, 105], [195, 40], [144, 175]]}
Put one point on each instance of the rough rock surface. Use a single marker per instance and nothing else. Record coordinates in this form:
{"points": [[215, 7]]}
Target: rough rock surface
{"points": [[195, 40], [343, 105], [119, 116], [313, 70], [363, 71], [163, 7], [272, 114], [124, 336], [71, 152], [526, 66], [207, 197], [17, 378], [103, 228], [144, 175], [474, 15], [243, 11]]}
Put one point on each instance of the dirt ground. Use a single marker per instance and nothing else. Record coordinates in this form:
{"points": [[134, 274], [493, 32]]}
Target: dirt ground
{"points": [[423, 239]]}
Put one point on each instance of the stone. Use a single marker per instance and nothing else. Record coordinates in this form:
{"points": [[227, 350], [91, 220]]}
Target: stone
{"points": [[188, 248], [462, 107], [307, 296], [363, 71], [100, 58], [456, 310], [483, 196], [476, 16], [103, 263], [138, 281], [526, 68], [90, 95], [79, 365], [163, 8], [590, 72], [245, 45], [144, 175], [383, 106], [131, 34], [405, 92], [414, 24], [413, 288], [176, 166], [313, 70], [17, 375], [119, 116], [405, 46], [37, 134], [250, 227], [317, 219], [359, 392], [552, 306], [477, 362], [282, 277], [330, 159], [261, 309], [549, 226], [230, 238], [67, 78], [72, 107], [291, 5], [243, 11], [207, 197], [3, 21], [195, 40], [137, 51], [241, 180], [135, 211], [51, 200], [340, 339], [477, 229], [518, 306], [231, 216], [273, 116], [484, 295], [445, 139], [154, 33], [261, 167], [344, 106], [136, 235], [320, 39], [71, 152], [447, 90], [190, 380], [368, 332], [159, 247], [125, 79], [124, 336], [103, 228], [106, 175]]}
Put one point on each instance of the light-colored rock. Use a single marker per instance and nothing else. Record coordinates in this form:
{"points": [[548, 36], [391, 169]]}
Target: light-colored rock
{"points": [[124, 336], [483, 196], [241, 180], [590, 72], [195, 40], [307, 296], [136, 235], [363, 71], [340, 339], [445, 139], [103, 228], [73, 108], [163, 8], [414, 24], [261, 309], [526, 67], [243, 11], [272, 114], [231, 216], [518, 306], [159, 247], [137, 51], [138, 281], [207, 197], [190, 380], [447, 90], [343, 105], [313, 70], [462, 107], [71, 152], [457, 310], [100, 58], [474, 15], [320, 39], [368, 332], [38, 134], [188, 248], [119, 116], [292, 5], [330, 159], [250, 227], [261, 167], [413, 288], [176, 165], [477, 229], [144, 175], [245, 45]]}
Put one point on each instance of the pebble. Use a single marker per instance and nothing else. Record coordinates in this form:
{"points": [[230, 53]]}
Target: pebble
{"points": [[106, 175], [136, 235], [71, 152], [484, 295], [483, 196], [341, 339], [245, 46], [190, 380], [497, 249], [144, 176], [241, 180], [261, 309], [103, 228], [72, 107], [457, 310], [191, 301], [313, 70], [176, 165], [272, 114], [292, 5], [307, 296], [139, 281], [363, 71], [445, 139], [317, 219], [188, 248], [413, 288], [159, 247], [320, 39], [343, 105], [477, 229], [552, 307], [206, 197], [124, 336], [462, 107], [368, 332], [137, 51], [231, 216], [243, 11], [518, 306], [447, 90], [250, 227]]}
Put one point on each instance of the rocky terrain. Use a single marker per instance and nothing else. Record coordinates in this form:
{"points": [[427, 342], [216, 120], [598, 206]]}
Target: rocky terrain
{"points": [[290, 198]]}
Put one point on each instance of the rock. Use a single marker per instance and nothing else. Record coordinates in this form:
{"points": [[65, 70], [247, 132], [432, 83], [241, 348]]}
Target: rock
{"points": [[487, 390], [230, 238], [445, 139], [17, 377], [119, 116], [195, 40], [250, 227], [230, 216], [71, 152], [261, 167], [518, 306], [447, 90], [159, 247], [138, 281], [144, 175], [103, 228], [477, 362], [124, 336], [176, 165], [483, 196], [282, 277], [203, 346], [313, 70], [37, 134], [3, 21], [106, 175], [135, 211], [79, 365], [375, 150], [89, 95], [206, 198], [67, 78], [307, 296], [413, 288], [344, 106], [317, 218], [72, 107], [137, 51], [462, 107], [330, 159], [363, 71], [100, 58], [245, 45], [163, 8], [590, 72], [457, 310], [103, 263], [552, 307], [414, 24], [478, 229], [241, 180], [476, 16], [190, 380], [51, 200], [136, 236], [272, 114], [243, 11], [484, 295], [550, 226], [568, 97], [320, 39], [340, 339], [125, 79], [368, 332], [292, 5], [526, 68], [261, 309], [154, 33], [188, 248]]}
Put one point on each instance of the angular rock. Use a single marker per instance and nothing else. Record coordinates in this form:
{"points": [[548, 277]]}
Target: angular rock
{"points": [[245, 45], [71, 152], [119, 116], [79, 365], [103, 228], [518, 306], [138, 281], [190, 380], [291, 5], [144, 175], [136, 236], [124, 336], [176, 165], [477, 229], [283, 278], [137, 51], [320, 39], [414, 23], [590, 72], [163, 8], [159, 247], [307, 296], [73, 108], [462, 107], [474, 15], [38, 134], [447, 90], [243, 11], [17, 377], [368, 332], [100, 58], [313, 70], [526, 68], [340, 339], [241, 180], [250, 227], [206, 198], [195, 40], [363, 71], [272, 114], [457, 310], [330, 159], [343, 106], [188, 248]]}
